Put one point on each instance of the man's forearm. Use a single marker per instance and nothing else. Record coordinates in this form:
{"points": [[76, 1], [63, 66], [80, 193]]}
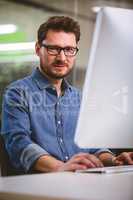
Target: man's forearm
{"points": [[47, 163]]}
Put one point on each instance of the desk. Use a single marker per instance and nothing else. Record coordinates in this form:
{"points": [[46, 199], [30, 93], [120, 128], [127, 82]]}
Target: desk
{"points": [[67, 186]]}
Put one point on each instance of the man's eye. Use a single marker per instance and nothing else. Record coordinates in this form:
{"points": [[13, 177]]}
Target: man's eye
{"points": [[69, 49], [52, 48], [56, 49]]}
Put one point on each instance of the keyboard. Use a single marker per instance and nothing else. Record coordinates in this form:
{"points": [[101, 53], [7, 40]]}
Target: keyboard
{"points": [[108, 170]]}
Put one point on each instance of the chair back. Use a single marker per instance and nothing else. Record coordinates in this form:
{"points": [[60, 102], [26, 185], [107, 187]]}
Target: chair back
{"points": [[4, 159], [6, 169]]}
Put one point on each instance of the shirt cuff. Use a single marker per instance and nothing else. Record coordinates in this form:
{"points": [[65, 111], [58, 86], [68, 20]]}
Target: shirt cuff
{"points": [[30, 154], [103, 151]]}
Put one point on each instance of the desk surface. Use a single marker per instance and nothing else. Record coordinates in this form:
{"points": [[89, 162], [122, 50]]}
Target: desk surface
{"points": [[67, 186]]}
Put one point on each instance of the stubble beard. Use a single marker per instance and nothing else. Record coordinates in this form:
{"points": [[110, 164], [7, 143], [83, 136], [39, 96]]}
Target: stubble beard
{"points": [[55, 75]]}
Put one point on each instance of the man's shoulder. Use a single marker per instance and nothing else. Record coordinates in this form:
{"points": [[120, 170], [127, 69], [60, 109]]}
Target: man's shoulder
{"points": [[76, 90], [22, 83], [75, 95]]}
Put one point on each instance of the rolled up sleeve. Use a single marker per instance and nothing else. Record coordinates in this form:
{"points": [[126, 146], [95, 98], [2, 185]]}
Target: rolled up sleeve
{"points": [[30, 154]]}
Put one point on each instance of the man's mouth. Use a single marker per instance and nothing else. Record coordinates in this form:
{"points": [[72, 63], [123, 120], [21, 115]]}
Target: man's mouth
{"points": [[59, 65]]}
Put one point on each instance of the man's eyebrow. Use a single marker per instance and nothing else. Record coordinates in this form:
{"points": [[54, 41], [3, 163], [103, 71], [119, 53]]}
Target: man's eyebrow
{"points": [[55, 45]]}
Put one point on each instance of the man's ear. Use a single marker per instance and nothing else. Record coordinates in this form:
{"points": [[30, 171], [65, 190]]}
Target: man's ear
{"points": [[37, 48]]}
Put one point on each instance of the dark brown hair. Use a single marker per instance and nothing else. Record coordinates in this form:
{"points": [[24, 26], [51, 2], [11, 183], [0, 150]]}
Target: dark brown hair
{"points": [[59, 23]]}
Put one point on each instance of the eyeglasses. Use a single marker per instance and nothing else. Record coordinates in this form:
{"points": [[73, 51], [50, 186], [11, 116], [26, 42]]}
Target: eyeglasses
{"points": [[55, 50]]}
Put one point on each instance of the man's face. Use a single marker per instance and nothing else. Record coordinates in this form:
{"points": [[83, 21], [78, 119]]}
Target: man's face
{"points": [[56, 66]]}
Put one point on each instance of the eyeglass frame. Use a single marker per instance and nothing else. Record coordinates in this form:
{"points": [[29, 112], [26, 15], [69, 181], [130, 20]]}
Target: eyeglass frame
{"points": [[59, 49]]}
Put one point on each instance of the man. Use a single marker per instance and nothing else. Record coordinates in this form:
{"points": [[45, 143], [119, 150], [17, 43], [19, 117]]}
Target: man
{"points": [[40, 111]]}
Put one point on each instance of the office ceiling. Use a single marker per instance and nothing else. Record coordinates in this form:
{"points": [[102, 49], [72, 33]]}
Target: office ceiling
{"points": [[29, 14], [81, 8]]}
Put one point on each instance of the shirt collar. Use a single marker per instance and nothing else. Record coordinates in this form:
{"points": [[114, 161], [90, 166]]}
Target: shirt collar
{"points": [[42, 81]]}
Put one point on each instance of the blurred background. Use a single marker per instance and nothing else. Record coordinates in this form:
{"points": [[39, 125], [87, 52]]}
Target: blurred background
{"points": [[19, 22]]}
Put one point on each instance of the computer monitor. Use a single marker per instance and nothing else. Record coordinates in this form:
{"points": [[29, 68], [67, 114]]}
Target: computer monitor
{"points": [[106, 114]]}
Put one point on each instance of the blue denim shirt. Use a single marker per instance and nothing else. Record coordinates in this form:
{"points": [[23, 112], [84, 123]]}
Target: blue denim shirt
{"points": [[35, 121]]}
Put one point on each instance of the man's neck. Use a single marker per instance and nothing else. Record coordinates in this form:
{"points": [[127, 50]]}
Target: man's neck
{"points": [[57, 85], [55, 82]]}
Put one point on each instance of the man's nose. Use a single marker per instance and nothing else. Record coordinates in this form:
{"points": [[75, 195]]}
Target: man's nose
{"points": [[61, 56]]}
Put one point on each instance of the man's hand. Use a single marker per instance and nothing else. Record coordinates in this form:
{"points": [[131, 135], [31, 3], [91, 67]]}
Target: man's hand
{"points": [[47, 163], [124, 158], [81, 161]]}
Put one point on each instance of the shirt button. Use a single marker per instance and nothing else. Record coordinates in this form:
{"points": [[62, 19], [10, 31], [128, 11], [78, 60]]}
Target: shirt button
{"points": [[61, 140], [66, 157], [59, 122]]}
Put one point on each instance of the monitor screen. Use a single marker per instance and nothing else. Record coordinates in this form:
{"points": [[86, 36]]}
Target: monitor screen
{"points": [[106, 114]]}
